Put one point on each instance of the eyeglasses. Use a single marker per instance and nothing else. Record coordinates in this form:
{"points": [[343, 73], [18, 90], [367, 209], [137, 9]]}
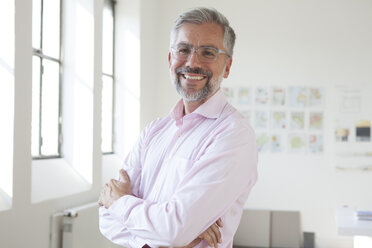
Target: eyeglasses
{"points": [[205, 53]]}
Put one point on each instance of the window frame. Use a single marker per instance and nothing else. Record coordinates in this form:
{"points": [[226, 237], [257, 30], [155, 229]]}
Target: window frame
{"points": [[38, 53], [112, 4]]}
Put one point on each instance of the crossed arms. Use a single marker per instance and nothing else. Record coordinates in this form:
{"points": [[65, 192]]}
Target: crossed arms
{"points": [[206, 191], [115, 189]]}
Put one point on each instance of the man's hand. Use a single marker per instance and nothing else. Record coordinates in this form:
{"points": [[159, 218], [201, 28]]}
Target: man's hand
{"points": [[115, 189], [212, 236]]}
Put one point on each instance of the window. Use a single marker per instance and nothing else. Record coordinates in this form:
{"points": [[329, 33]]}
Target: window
{"points": [[7, 50], [46, 110], [108, 76]]}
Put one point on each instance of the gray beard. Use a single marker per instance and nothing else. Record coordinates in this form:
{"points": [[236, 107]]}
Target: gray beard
{"points": [[209, 88], [193, 96]]}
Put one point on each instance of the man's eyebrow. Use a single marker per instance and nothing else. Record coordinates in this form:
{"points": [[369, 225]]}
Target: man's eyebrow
{"points": [[184, 44], [209, 46], [190, 45]]}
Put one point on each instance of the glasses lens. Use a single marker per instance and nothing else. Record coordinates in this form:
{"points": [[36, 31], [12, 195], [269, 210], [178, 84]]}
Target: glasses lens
{"points": [[183, 52], [207, 54]]}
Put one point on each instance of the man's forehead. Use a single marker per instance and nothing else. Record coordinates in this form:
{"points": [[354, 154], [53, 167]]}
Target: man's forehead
{"points": [[206, 34]]}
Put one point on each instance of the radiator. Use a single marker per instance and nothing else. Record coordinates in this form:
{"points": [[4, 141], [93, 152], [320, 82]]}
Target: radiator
{"points": [[78, 228]]}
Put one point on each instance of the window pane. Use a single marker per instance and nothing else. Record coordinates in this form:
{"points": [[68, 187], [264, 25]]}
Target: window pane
{"points": [[35, 106], [50, 108], [108, 39], [107, 113], [51, 20], [36, 23]]}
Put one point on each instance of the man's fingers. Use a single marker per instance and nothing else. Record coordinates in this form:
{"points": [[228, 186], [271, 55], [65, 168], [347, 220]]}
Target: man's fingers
{"points": [[219, 222], [115, 189], [193, 243], [124, 176], [208, 238], [217, 233], [102, 199], [212, 239], [213, 234]]}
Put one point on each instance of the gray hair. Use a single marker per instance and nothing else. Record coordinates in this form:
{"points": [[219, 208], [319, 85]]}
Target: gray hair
{"points": [[206, 15]]}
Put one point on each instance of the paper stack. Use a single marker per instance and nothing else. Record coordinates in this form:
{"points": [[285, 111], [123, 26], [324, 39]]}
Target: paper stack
{"points": [[364, 215]]}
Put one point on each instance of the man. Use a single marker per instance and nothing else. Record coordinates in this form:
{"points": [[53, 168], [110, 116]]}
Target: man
{"points": [[194, 168]]}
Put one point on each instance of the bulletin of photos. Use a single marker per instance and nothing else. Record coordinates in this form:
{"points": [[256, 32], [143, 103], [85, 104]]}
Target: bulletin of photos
{"points": [[352, 126], [285, 119]]}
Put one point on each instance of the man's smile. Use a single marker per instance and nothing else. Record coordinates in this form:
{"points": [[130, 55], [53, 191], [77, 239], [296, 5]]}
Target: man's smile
{"points": [[194, 77]]}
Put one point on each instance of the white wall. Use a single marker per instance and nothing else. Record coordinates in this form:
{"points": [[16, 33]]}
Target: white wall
{"points": [[319, 42], [288, 42]]}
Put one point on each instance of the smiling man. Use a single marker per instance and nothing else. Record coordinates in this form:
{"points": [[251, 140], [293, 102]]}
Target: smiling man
{"points": [[185, 182]]}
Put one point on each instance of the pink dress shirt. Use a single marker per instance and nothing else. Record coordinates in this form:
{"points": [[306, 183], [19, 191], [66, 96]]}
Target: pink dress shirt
{"points": [[186, 172]]}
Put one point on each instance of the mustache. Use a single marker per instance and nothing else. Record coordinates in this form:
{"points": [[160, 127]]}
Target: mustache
{"points": [[196, 70]]}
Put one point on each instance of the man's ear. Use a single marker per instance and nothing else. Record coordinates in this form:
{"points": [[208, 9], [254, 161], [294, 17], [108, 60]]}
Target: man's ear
{"points": [[169, 59], [227, 68]]}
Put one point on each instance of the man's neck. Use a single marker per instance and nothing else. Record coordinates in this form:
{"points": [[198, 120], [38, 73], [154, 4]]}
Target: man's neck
{"points": [[190, 107]]}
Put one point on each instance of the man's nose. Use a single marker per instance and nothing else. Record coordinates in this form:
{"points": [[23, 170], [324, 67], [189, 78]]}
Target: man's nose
{"points": [[193, 60]]}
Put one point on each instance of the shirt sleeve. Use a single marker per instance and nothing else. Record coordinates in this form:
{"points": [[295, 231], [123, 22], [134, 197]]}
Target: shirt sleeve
{"points": [[116, 232], [227, 169], [112, 228], [132, 166]]}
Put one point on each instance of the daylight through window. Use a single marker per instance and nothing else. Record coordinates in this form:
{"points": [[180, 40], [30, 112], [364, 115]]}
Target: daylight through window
{"points": [[108, 77], [46, 110]]}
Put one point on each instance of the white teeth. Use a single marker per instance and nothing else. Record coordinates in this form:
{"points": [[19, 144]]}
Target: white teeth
{"points": [[193, 77]]}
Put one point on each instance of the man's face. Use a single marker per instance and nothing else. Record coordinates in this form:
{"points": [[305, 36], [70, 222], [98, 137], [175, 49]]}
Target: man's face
{"points": [[196, 80]]}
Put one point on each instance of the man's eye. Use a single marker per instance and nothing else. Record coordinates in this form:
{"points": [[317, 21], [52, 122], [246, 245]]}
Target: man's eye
{"points": [[184, 50], [208, 53]]}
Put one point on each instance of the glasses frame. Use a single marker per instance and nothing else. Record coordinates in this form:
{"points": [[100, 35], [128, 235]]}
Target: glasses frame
{"points": [[195, 50]]}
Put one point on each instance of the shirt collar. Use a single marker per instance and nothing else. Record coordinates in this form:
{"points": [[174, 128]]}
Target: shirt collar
{"points": [[210, 109]]}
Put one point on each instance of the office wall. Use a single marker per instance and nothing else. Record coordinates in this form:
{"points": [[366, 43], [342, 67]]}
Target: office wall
{"points": [[288, 43], [279, 42]]}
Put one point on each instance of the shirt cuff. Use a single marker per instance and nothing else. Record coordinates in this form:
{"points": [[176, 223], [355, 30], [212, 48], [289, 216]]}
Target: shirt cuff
{"points": [[122, 207]]}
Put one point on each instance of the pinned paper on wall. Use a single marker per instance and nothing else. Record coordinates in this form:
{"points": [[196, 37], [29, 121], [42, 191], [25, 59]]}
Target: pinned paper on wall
{"points": [[352, 127], [297, 120], [298, 97], [278, 120], [262, 96], [316, 143], [349, 99], [315, 97], [245, 96], [316, 120], [229, 94], [276, 112], [297, 143], [363, 130], [277, 143], [278, 96], [261, 119], [342, 134]]}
